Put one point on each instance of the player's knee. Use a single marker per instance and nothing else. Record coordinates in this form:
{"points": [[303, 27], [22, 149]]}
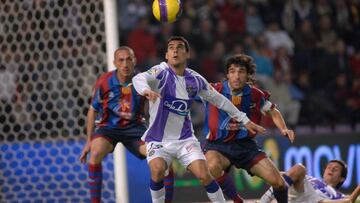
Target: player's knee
{"points": [[157, 172], [278, 183], [215, 168], [204, 178], [96, 156], [297, 172]]}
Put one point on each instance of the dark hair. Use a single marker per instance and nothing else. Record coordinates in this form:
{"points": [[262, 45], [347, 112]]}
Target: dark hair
{"points": [[179, 38], [242, 60], [343, 171]]}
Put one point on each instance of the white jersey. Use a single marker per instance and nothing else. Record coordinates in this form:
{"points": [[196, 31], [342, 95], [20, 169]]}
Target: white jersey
{"points": [[315, 190], [170, 115]]}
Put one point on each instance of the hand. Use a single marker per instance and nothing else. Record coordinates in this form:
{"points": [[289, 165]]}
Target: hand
{"points": [[85, 151], [151, 95], [253, 128], [289, 133]]}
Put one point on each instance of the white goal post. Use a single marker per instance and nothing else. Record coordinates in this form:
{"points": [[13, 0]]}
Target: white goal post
{"points": [[112, 43]]}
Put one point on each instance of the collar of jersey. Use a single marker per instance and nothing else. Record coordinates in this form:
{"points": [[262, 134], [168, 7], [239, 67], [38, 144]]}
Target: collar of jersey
{"points": [[245, 91], [114, 80], [186, 72]]}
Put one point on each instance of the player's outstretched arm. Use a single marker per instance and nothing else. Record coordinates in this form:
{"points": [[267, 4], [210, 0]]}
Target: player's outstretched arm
{"points": [[346, 200], [143, 80], [151, 95], [254, 128], [90, 122], [349, 199], [280, 123], [354, 195]]}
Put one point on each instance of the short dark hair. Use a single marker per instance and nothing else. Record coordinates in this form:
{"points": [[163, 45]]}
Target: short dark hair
{"points": [[241, 60], [179, 38], [344, 171]]}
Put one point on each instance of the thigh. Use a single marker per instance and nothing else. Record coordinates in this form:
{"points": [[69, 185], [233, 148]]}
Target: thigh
{"points": [[101, 146], [136, 146], [188, 152], [155, 150], [198, 167], [214, 157], [266, 170]]}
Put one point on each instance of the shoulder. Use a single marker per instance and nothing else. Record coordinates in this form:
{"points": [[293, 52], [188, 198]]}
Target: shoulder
{"points": [[193, 72], [218, 86], [196, 74], [256, 92], [160, 67], [104, 77], [157, 69]]}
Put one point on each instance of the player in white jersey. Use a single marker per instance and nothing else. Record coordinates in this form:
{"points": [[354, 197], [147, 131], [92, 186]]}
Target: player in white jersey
{"points": [[171, 88], [308, 189]]}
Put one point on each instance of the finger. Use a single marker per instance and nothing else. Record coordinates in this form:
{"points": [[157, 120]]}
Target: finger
{"points": [[158, 95], [260, 129], [83, 157], [252, 129], [292, 135]]}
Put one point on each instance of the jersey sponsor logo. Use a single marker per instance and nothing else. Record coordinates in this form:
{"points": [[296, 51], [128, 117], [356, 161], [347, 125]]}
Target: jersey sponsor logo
{"points": [[177, 106]]}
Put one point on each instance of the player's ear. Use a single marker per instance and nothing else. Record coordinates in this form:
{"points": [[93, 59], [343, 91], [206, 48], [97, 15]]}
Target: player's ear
{"points": [[166, 56]]}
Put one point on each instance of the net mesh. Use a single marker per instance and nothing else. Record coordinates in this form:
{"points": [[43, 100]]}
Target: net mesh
{"points": [[52, 51]]}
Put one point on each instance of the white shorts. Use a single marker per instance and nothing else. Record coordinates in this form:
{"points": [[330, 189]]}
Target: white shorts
{"points": [[308, 196], [186, 151]]}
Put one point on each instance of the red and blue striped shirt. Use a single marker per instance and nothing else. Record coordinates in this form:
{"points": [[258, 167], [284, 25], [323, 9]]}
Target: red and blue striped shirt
{"points": [[252, 101], [118, 105]]}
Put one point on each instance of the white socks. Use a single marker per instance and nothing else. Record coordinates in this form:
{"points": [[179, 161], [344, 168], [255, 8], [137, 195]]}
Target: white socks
{"points": [[216, 197], [158, 196]]}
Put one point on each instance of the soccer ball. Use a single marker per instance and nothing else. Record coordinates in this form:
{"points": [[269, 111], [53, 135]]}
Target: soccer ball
{"points": [[167, 10]]}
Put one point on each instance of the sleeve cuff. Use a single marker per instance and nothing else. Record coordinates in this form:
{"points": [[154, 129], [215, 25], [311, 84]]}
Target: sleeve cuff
{"points": [[143, 90], [245, 120]]}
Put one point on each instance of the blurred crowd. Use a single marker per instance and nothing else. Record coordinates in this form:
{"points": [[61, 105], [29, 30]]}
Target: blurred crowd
{"points": [[307, 52]]}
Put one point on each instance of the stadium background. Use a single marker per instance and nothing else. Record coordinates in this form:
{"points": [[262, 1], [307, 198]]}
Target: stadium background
{"points": [[53, 51]]}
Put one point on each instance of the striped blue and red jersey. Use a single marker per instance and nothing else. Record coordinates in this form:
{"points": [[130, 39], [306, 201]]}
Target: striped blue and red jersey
{"points": [[118, 105], [251, 100]]}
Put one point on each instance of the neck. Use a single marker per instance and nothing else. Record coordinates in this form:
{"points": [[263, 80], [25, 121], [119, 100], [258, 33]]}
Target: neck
{"points": [[237, 90], [331, 184], [179, 70], [122, 79]]}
